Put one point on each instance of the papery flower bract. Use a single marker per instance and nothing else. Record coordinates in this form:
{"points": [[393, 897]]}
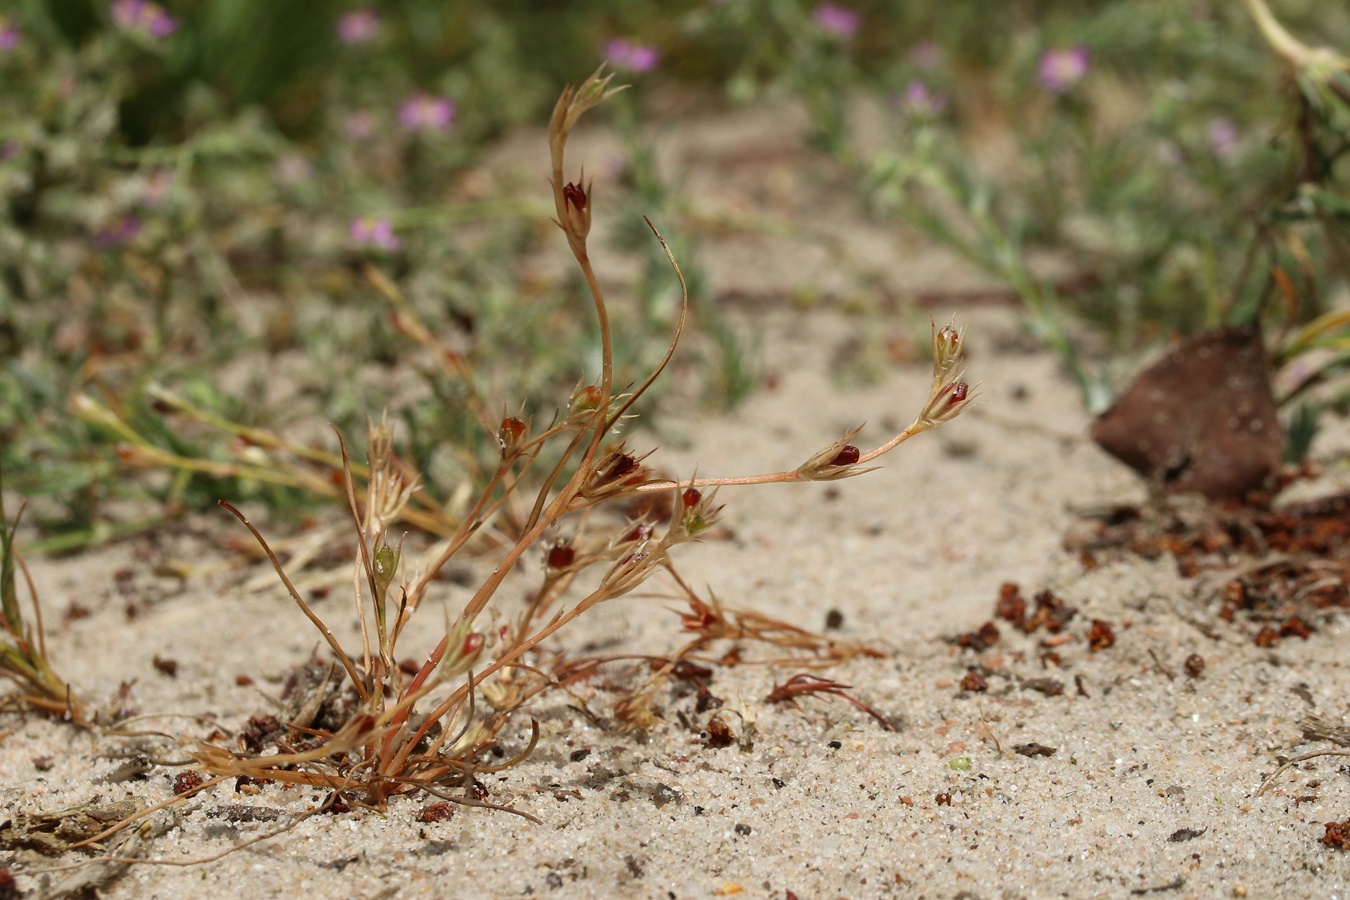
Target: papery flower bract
{"points": [[370, 231], [423, 112], [835, 20], [624, 54], [1223, 137], [360, 26], [1061, 69], [9, 34], [144, 17]]}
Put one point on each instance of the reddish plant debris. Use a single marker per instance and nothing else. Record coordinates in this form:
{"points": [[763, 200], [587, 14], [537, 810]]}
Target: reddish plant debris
{"points": [[982, 639], [76, 611], [1310, 542], [1100, 636], [9, 890], [260, 731], [1194, 665], [1011, 607], [799, 685], [1034, 749], [187, 781], [1295, 627], [1267, 637], [243, 680], [338, 804], [719, 733], [166, 666], [943, 799], [440, 811], [1050, 687], [1051, 613], [973, 682], [683, 669], [1337, 834]]}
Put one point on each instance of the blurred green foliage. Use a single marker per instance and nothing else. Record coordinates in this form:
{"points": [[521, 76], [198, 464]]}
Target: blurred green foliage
{"points": [[174, 207]]}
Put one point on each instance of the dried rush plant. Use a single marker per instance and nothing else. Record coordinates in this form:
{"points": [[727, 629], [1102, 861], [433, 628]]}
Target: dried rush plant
{"points": [[423, 729]]}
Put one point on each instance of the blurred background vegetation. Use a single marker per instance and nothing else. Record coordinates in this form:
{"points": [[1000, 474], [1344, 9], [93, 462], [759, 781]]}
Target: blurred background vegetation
{"points": [[190, 191]]}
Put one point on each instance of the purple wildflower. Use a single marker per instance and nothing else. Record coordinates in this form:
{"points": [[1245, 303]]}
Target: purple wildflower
{"points": [[9, 35], [423, 112], [118, 233], [143, 16], [920, 100], [9, 149], [1062, 68], [623, 54], [835, 20], [359, 126], [360, 26], [369, 231], [1223, 137]]}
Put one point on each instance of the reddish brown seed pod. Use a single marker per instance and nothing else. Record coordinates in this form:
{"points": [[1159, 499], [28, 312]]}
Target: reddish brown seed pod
{"points": [[848, 455], [187, 781], [1100, 636], [575, 195], [560, 556]]}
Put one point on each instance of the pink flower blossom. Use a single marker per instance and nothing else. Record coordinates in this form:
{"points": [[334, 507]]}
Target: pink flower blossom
{"points": [[9, 35], [835, 20], [623, 54], [369, 231], [144, 17], [423, 112], [1062, 68], [360, 26]]}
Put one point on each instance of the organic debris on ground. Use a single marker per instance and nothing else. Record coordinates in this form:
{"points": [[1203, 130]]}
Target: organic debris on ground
{"points": [[1279, 568]]}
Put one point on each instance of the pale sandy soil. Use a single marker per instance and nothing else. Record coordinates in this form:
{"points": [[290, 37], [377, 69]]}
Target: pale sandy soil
{"points": [[1151, 786]]}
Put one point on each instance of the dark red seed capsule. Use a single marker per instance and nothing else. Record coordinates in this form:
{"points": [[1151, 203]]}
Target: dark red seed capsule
{"points": [[560, 556], [847, 456]]}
